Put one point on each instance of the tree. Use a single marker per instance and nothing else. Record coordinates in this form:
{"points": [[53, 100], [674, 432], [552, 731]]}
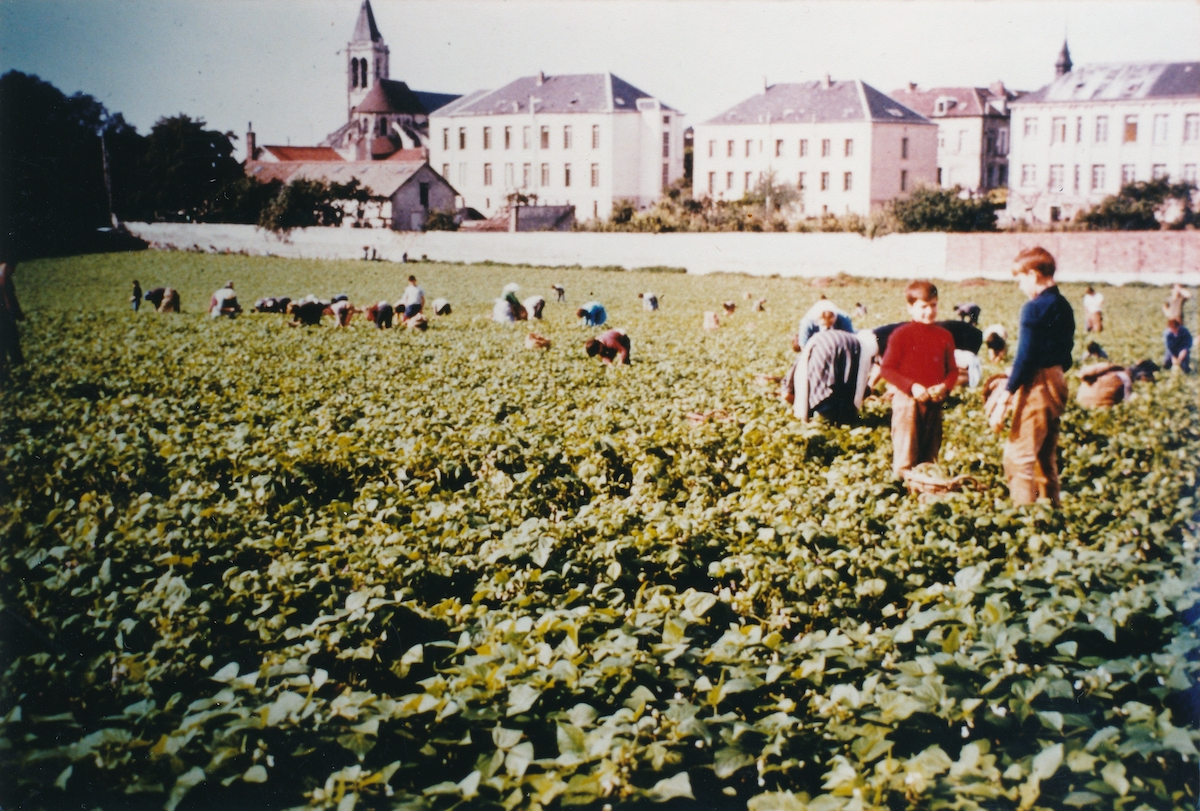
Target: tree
{"points": [[304, 203], [243, 200], [934, 209], [1142, 206], [440, 221], [185, 166]]}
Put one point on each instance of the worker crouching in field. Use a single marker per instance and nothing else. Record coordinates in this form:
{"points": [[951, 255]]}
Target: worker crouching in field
{"points": [[592, 313], [380, 314], [920, 369], [1036, 391], [170, 302], [508, 309], [307, 312], [224, 303], [830, 376], [823, 315], [1178, 343], [610, 345]]}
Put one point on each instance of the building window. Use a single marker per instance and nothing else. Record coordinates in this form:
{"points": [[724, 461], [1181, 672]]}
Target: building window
{"points": [[939, 182], [526, 175], [712, 182], [508, 137], [962, 140], [712, 148], [545, 174], [596, 176], [1160, 129], [1189, 173], [487, 174], [903, 151], [746, 182], [1097, 177], [1002, 141], [1079, 129], [800, 183], [446, 170], [1055, 213], [729, 178], [1191, 127], [1078, 176], [1131, 129], [803, 147], [849, 147], [462, 137], [487, 137], [1056, 178], [729, 149], [381, 125], [1158, 171], [1058, 130], [566, 174], [666, 175], [666, 144], [1030, 127], [526, 137], [509, 180], [1028, 174], [446, 138], [1128, 174], [904, 178], [824, 181], [1002, 176], [595, 136], [545, 135], [846, 181], [666, 119], [567, 137], [748, 142], [1102, 129], [826, 148], [462, 174]]}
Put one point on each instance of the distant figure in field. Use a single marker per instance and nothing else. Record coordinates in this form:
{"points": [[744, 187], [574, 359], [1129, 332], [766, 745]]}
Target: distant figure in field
{"points": [[342, 310], [823, 315], [1173, 306], [968, 312], [592, 313], [534, 306], [136, 299], [860, 310], [1178, 343], [535, 341], [307, 312], [760, 305], [155, 296], [729, 307], [10, 314], [649, 301], [1093, 310], [224, 303], [995, 338], [413, 299], [170, 302], [1093, 351], [508, 309], [270, 304], [610, 345], [560, 292], [380, 314], [440, 306], [711, 320]]}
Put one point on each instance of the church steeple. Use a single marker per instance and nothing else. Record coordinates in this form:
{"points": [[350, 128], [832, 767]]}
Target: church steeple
{"points": [[1063, 65], [366, 57]]}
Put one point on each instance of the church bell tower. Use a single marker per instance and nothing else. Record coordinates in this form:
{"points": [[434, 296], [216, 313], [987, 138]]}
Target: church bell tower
{"points": [[366, 58]]}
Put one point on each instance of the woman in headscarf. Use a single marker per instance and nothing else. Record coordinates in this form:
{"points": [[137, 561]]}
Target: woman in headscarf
{"points": [[824, 315], [830, 376]]}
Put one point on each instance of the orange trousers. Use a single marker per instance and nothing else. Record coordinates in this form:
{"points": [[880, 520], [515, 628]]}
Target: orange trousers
{"points": [[916, 431], [1030, 463]]}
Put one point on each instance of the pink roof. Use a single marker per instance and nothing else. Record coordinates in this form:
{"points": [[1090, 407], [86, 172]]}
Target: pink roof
{"points": [[303, 153]]}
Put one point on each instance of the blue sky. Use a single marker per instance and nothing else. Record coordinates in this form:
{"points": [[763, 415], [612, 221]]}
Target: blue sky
{"points": [[279, 64]]}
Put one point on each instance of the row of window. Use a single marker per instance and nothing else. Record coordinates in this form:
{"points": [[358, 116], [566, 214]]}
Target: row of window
{"points": [[847, 147], [995, 142], [1099, 175], [526, 174], [1063, 130], [568, 138], [748, 178]]}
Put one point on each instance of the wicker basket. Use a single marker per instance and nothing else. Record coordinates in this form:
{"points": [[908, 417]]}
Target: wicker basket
{"points": [[928, 480]]}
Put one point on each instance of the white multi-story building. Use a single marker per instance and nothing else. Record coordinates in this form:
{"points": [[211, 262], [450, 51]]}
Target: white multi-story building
{"points": [[1091, 131], [585, 140], [845, 145], [972, 132]]}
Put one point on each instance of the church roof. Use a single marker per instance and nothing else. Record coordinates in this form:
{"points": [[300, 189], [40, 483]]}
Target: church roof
{"points": [[390, 96], [818, 102], [1121, 81], [303, 153], [574, 93], [434, 101], [381, 178], [365, 29]]}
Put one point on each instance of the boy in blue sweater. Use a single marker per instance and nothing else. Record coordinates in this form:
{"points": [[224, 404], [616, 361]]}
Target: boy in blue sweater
{"points": [[1037, 387], [1178, 343]]}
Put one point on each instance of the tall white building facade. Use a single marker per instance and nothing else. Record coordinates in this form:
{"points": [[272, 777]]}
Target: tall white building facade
{"points": [[847, 147], [1094, 129], [585, 140]]}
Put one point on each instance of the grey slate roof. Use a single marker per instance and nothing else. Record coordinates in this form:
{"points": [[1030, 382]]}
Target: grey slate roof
{"points": [[804, 102], [1121, 81], [575, 93], [365, 29], [434, 101]]}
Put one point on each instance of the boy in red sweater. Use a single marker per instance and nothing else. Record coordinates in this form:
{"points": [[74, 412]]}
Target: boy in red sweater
{"points": [[919, 365]]}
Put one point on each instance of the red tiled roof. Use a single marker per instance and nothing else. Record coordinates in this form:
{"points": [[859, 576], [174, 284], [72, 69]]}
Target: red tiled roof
{"points": [[303, 153]]}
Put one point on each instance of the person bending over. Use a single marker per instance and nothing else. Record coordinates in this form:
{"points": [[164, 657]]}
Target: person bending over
{"points": [[610, 346]]}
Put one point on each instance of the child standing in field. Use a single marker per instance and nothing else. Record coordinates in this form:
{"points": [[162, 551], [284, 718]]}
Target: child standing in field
{"points": [[919, 365], [1093, 310], [136, 299], [1037, 387]]}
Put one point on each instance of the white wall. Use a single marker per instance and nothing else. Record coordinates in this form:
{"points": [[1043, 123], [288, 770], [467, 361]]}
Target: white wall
{"points": [[1156, 257]]}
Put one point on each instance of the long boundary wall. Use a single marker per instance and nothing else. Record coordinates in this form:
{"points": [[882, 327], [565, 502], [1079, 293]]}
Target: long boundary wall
{"points": [[1160, 257]]}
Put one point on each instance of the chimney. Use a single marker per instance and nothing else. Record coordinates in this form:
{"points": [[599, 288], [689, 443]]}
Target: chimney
{"points": [[827, 82], [766, 86], [541, 78], [251, 143], [912, 87], [998, 90]]}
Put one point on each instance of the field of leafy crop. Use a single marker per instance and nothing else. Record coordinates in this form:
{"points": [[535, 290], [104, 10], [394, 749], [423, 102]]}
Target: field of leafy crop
{"points": [[247, 566]]}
